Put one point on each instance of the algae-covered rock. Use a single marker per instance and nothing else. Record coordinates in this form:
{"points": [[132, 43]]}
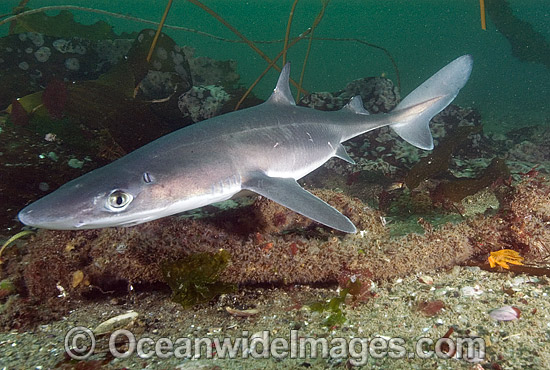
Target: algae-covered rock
{"points": [[269, 244], [64, 25]]}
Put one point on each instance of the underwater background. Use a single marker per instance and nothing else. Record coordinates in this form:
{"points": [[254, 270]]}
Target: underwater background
{"points": [[453, 242], [421, 35]]}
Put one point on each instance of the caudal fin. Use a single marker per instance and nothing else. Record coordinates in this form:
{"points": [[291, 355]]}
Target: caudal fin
{"points": [[414, 113]]}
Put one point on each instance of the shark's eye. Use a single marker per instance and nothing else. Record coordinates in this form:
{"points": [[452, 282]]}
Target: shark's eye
{"points": [[118, 200]]}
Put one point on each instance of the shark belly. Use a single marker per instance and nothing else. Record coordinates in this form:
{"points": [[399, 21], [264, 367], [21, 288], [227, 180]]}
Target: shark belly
{"points": [[291, 151], [295, 163]]}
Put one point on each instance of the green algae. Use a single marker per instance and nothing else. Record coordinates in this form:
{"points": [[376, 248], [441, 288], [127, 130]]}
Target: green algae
{"points": [[7, 287], [334, 308], [8, 292], [195, 278]]}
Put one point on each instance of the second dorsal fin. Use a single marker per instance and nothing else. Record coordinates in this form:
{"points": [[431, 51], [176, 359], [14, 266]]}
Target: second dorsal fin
{"points": [[356, 105], [282, 94]]}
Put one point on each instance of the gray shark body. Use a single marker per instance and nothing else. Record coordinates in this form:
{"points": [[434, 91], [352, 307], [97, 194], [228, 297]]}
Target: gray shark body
{"points": [[263, 149]]}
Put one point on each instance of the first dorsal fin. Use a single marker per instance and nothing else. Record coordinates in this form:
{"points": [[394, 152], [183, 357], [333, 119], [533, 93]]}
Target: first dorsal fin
{"points": [[281, 93]]}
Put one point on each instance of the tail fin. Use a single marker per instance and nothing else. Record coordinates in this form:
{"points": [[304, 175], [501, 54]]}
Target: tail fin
{"points": [[429, 99]]}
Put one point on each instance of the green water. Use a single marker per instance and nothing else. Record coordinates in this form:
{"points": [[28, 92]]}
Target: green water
{"points": [[421, 35]]}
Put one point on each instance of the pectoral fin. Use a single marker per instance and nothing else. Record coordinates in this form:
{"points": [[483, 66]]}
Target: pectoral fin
{"points": [[290, 194]]}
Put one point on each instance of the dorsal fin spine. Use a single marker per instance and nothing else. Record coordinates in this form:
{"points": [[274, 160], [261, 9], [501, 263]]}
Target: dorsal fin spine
{"points": [[282, 94]]}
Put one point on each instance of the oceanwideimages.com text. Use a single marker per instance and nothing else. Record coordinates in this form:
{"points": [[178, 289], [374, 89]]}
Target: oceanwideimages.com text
{"points": [[80, 343]]}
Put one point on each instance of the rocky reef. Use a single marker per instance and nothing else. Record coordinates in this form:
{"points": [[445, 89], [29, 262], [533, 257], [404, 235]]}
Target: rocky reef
{"points": [[267, 243]]}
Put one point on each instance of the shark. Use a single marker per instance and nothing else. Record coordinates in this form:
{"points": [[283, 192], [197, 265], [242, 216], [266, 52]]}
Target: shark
{"points": [[264, 149]]}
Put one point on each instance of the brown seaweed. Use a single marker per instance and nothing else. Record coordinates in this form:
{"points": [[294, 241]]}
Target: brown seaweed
{"points": [[459, 188], [437, 162]]}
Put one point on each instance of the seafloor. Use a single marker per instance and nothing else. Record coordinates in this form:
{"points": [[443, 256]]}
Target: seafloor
{"points": [[452, 243], [467, 293]]}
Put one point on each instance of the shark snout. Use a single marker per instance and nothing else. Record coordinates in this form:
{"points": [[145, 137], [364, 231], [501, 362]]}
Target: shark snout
{"points": [[30, 217], [35, 215], [25, 216]]}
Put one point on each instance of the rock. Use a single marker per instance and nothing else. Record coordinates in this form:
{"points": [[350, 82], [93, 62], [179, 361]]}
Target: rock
{"points": [[114, 323]]}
